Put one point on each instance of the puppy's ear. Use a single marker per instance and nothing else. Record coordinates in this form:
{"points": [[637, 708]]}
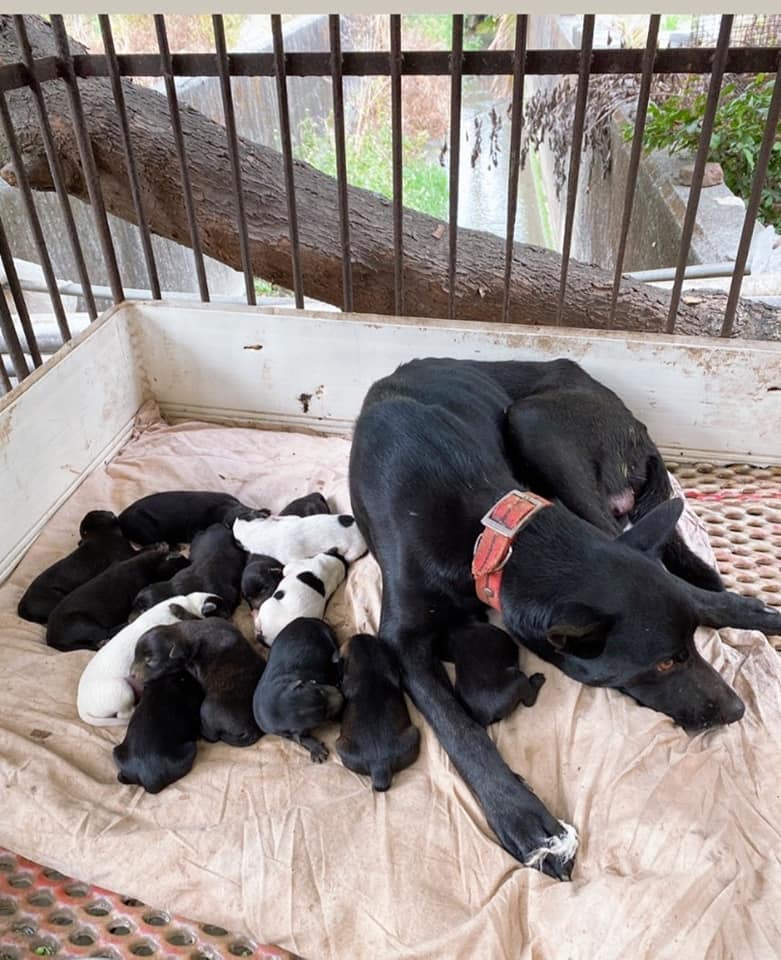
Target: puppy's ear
{"points": [[181, 613], [210, 606], [651, 533], [578, 630], [176, 652]]}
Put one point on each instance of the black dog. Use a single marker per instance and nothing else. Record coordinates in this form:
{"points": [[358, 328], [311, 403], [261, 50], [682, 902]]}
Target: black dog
{"points": [[489, 682], [102, 543], [160, 743], [93, 612], [260, 579], [223, 663], [306, 506], [437, 445], [299, 689], [377, 736], [216, 566], [176, 516]]}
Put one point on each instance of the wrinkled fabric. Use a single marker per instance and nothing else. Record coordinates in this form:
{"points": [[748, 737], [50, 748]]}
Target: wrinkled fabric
{"points": [[680, 849]]}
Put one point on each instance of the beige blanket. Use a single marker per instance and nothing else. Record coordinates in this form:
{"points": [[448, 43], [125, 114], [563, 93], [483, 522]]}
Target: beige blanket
{"points": [[679, 855]]}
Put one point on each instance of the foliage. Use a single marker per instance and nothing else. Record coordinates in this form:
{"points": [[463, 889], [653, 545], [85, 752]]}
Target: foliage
{"points": [[675, 125]]}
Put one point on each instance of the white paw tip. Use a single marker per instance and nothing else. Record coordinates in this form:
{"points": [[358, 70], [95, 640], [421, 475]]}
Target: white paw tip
{"points": [[563, 847]]}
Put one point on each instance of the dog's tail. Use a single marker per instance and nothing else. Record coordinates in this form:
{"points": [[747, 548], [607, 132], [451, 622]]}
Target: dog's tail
{"points": [[382, 775]]}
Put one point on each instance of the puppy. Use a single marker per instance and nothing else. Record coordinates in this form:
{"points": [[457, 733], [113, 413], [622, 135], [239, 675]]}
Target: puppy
{"points": [[176, 516], [107, 693], [296, 538], [227, 669], [91, 614], [160, 743], [216, 566], [489, 682], [102, 543], [299, 688], [304, 591], [308, 506], [260, 579], [377, 736]]}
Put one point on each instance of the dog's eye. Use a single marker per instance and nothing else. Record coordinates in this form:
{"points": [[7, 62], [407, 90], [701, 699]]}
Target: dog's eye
{"points": [[664, 665]]}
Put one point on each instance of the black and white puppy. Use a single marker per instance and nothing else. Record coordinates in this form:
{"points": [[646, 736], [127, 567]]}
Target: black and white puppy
{"points": [[260, 579], [377, 738], [102, 543], [297, 538], [489, 682], [160, 743], [227, 669], [307, 506], [216, 567], [91, 614], [177, 515], [299, 689], [304, 591]]}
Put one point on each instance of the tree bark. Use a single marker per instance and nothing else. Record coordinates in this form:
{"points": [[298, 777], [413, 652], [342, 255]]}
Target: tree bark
{"points": [[479, 280]]}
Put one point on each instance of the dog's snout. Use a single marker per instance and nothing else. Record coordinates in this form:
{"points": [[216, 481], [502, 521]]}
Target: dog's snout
{"points": [[734, 710]]}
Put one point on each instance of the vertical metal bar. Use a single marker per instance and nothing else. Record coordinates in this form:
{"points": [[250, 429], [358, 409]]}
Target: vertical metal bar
{"points": [[9, 268], [54, 163], [176, 123], [5, 381], [649, 58], [396, 63], [711, 104], [12, 346], [223, 64], [581, 99], [769, 140], [127, 146], [519, 71], [341, 158], [456, 66], [287, 156], [87, 157], [32, 218]]}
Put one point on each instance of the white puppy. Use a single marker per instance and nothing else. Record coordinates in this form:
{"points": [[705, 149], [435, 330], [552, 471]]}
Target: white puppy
{"points": [[304, 590], [296, 538], [106, 696]]}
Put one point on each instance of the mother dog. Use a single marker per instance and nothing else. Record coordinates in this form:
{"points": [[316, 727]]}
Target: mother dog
{"points": [[438, 447]]}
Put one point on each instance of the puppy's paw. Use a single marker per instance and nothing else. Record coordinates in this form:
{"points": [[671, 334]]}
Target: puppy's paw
{"points": [[318, 752], [531, 688]]}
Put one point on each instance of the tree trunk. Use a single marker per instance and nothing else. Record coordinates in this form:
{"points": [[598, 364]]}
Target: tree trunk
{"points": [[479, 280]]}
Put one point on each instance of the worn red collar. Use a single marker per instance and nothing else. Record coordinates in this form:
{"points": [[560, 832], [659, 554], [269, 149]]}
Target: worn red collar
{"points": [[494, 546]]}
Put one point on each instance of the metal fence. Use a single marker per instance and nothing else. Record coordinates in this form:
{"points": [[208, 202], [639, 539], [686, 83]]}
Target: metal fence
{"points": [[396, 63]]}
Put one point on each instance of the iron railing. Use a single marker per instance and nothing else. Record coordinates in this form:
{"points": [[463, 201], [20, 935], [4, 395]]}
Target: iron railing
{"points": [[396, 63]]}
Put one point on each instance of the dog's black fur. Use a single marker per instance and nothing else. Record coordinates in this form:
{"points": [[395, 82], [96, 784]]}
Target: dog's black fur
{"points": [[261, 577], [216, 566], [102, 543], [94, 611], [489, 682], [306, 506], [299, 689], [437, 443], [223, 663], [377, 736], [160, 743], [176, 516]]}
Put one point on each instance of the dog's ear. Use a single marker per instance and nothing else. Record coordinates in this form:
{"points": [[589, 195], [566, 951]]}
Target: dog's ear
{"points": [[651, 533], [182, 613], [176, 652], [210, 606], [579, 630]]}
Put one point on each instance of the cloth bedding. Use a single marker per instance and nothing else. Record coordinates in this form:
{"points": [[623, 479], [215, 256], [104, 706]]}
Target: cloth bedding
{"points": [[679, 836]]}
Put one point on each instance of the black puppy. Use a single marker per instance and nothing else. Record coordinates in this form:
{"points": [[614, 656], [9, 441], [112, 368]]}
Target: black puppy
{"points": [[216, 566], [177, 515], [92, 613], [260, 579], [102, 543], [299, 689], [160, 743], [227, 669], [307, 506], [437, 461], [489, 682], [377, 736]]}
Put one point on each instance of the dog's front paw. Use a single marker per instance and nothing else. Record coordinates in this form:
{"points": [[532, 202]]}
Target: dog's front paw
{"points": [[531, 688], [318, 752]]}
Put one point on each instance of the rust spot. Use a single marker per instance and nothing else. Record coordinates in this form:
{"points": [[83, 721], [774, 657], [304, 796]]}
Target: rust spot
{"points": [[40, 734], [253, 346], [304, 399]]}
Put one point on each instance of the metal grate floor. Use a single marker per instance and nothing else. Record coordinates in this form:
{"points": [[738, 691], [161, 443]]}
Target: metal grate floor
{"points": [[43, 913]]}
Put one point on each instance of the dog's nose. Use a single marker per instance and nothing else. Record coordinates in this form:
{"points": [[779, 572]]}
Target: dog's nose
{"points": [[733, 710]]}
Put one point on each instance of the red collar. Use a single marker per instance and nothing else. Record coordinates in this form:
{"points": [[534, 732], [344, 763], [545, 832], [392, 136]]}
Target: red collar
{"points": [[494, 546]]}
